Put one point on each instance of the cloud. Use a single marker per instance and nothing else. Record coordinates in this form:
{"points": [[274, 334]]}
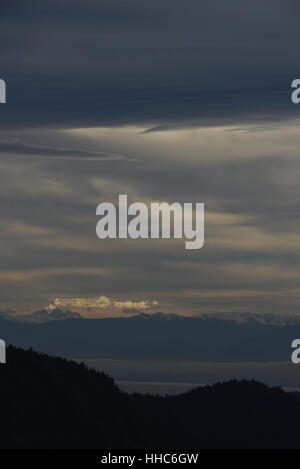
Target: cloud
{"points": [[51, 152], [132, 306], [81, 303], [154, 63], [38, 274], [101, 302], [209, 85], [48, 244]]}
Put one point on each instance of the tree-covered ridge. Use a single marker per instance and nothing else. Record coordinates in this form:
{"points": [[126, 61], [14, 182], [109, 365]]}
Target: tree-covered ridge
{"points": [[52, 402]]}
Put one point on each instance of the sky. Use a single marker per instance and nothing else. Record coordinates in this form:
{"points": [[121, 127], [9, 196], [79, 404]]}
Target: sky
{"points": [[186, 101]]}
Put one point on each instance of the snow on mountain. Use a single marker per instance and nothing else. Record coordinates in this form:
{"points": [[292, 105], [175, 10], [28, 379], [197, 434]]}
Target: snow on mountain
{"points": [[43, 315]]}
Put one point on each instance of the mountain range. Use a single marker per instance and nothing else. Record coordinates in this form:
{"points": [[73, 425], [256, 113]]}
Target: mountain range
{"points": [[157, 336], [45, 315], [57, 314]]}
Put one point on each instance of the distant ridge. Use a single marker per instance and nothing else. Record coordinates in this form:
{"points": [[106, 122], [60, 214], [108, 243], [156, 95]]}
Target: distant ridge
{"points": [[262, 318], [151, 336], [44, 315], [159, 316], [239, 317]]}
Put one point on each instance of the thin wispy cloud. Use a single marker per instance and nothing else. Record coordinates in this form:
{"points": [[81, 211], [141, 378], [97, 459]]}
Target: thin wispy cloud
{"points": [[19, 148]]}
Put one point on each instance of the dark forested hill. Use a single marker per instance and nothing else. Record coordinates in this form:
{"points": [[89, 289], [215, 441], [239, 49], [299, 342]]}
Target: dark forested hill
{"points": [[51, 402]]}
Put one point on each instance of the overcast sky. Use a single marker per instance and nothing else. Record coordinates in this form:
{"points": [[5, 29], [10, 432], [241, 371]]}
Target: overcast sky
{"points": [[168, 100]]}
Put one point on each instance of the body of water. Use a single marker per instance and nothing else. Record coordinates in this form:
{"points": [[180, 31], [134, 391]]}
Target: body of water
{"points": [[174, 377]]}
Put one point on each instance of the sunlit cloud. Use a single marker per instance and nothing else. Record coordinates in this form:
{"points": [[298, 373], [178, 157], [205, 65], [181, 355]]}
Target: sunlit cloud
{"points": [[101, 302]]}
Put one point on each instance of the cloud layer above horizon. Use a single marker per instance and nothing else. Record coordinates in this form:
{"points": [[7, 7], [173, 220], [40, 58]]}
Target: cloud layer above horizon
{"points": [[170, 101]]}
